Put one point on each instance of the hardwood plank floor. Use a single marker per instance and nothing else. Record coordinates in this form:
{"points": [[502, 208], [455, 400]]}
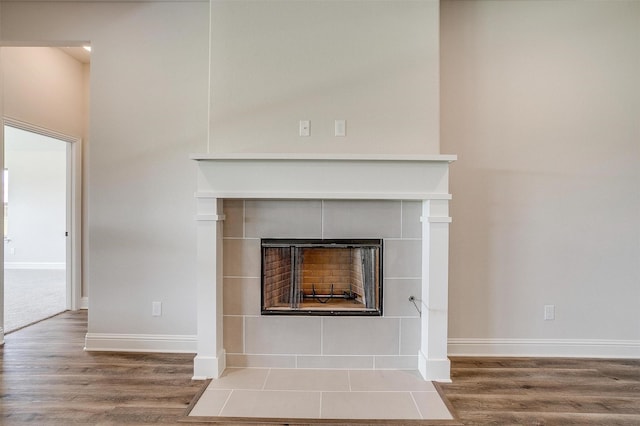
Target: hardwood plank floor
{"points": [[47, 379], [545, 391]]}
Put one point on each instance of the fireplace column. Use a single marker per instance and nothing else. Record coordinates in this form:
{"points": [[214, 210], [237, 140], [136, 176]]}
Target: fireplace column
{"points": [[210, 360], [432, 356]]}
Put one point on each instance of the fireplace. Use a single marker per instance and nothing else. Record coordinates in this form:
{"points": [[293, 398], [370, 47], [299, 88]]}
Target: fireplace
{"points": [[245, 199], [321, 277]]}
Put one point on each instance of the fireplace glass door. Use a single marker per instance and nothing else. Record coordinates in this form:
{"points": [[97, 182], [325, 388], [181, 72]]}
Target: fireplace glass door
{"points": [[322, 277]]}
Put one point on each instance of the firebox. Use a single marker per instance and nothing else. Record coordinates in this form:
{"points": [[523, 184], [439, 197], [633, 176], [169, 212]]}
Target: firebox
{"points": [[322, 277]]}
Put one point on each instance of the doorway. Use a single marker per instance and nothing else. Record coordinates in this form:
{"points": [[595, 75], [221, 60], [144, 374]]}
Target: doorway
{"points": [[37, 206]]}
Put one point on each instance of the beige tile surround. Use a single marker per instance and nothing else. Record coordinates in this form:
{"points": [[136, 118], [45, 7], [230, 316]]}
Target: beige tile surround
{"points": [[321, 394], [388, 342]]}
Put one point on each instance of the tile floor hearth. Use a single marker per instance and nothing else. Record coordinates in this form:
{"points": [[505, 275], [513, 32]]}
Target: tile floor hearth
{"points": [[321, 394]]}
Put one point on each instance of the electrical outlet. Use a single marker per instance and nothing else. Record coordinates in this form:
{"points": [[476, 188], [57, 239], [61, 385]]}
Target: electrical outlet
{"points": [[156, 309], [549, 312]]}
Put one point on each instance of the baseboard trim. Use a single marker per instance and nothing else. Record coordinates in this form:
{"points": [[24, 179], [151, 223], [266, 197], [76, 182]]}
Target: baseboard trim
{"points": [[84, 303], [141, 343], [35, 265], [591, 348]]}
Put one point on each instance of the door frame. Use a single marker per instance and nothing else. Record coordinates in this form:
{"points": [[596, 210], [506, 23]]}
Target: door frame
{"points": [[73, 208]]}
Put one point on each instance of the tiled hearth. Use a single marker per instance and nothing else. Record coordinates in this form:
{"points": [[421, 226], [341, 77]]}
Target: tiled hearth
{"points": [[321, 394], [401, 200]]}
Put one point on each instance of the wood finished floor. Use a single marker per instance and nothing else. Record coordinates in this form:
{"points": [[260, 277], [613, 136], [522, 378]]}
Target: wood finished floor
{"points": [[47, 379]]}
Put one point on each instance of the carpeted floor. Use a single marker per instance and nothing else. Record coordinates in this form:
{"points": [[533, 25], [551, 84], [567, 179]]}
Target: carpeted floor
{"points": [[31, 295]]}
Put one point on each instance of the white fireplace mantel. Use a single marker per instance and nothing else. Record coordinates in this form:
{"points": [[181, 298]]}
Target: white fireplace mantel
{"points": [[312, 176]]}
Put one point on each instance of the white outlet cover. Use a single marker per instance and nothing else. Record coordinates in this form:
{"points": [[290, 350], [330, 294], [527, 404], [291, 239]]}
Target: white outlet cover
{"points": [[156, 309]]}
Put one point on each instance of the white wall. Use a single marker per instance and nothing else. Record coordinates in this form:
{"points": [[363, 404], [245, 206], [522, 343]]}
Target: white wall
{"points": [[373, 63], [51, 99], [37, 167], [148, 111], [541, 100]]}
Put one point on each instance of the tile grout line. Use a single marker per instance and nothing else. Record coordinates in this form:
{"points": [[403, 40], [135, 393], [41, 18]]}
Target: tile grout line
{"points": [[244, 334], [399, 336], [320, 410], [321, 336], [266, 378], [225, 403], [322, 219], [413, 398], [401, 219]]}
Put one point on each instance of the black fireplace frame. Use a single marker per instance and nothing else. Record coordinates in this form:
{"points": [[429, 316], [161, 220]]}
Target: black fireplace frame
{"points": [[323, 243]]}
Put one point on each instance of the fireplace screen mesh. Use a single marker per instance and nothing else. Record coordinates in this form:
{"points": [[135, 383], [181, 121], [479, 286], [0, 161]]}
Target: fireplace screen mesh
{"points": [[324, 277]]}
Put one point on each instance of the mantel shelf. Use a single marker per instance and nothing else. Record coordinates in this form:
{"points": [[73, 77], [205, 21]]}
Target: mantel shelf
{"points": [[320, 176], [321, 157]]}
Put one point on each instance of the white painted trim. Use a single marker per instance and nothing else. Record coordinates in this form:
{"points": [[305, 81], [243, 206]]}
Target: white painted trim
{"points": [[438, 370], [324, 177], [323, 157], [209, 367], [28, 127], [35, 265], [84, 302], [575, 348], [74, 207], [211, 217], [286, 195], [141, 343]]}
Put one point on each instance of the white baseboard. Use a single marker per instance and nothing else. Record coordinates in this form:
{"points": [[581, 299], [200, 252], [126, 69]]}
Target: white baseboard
{"points": [[209, 367], [140, 343], [34, 265], [545, 348], [84, 303]]}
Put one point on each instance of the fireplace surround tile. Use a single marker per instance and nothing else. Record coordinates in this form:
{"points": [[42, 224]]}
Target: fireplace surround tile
{"points": [[402, 258], [283, 219], [411, 225], [241, 296], [336, 361], [241, 257], [406, 362], [282, 335], [354, 336], [409, 336], [396, 297], [234, 218], [346, 219], [233, 335], [261, 361]]}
